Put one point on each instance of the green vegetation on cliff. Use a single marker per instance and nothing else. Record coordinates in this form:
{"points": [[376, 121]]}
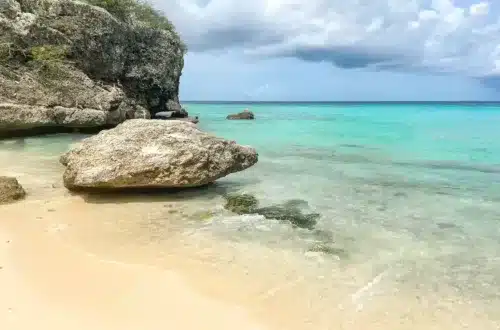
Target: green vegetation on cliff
{"points": [[48, 53], [121, 9], [142, 11]]}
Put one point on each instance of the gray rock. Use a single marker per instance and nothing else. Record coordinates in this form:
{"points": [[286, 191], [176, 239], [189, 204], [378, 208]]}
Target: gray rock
{"points": [[91, 69], [10, 190], [164, 114], [170, 115], [245, 114], [153, 154]]}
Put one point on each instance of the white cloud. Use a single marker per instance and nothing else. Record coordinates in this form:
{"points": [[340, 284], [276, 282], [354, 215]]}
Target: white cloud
{"points": [[435, 35], [481, 8]]}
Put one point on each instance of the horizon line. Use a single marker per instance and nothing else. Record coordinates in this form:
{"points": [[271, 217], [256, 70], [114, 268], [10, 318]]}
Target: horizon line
{"points": [[464, 102]]}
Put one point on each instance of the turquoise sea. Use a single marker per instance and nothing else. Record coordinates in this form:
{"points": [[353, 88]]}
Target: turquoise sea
{"points": [[414, 186], [409, 197]]}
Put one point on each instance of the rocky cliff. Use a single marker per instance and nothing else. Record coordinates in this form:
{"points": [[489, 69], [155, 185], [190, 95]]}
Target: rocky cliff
{"points": [[68, 64]]}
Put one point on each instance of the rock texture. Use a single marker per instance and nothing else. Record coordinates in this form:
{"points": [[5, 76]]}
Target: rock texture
{"points": [[69, 64], [10, 190], [245, 114], [153, 154]]}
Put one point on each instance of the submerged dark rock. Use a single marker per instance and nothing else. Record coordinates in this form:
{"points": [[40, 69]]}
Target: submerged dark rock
{"points": [[290, 214], [289, 211], [241, 204]]}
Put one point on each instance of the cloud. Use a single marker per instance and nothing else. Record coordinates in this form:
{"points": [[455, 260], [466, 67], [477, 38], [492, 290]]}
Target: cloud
{"points": [[397, 35]]}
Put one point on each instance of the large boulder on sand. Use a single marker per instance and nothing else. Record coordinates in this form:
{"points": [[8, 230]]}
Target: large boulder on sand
{"points": [[10, 190], [144, 153]]}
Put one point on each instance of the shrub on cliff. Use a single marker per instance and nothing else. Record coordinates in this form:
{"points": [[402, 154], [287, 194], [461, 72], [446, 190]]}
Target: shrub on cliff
{"points": [[48, 60], [139, 10], [48, 53], [6, 51], [121, 9]]}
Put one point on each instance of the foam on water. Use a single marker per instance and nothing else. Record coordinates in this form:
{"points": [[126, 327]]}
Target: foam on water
{"points": [[409, 198]]}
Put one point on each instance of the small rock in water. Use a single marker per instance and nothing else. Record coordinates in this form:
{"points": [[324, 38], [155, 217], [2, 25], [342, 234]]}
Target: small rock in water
{"points": [[245, 115], [288, 211]]}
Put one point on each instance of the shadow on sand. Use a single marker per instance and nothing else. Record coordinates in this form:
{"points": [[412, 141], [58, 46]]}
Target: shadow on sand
{"points": [[141, 195]]}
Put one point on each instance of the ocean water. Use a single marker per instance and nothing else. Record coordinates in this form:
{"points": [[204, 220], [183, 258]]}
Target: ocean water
{"points": [[409, 198]]}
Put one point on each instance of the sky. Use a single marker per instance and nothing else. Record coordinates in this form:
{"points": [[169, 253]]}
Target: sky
{"points": [[338, 50]]}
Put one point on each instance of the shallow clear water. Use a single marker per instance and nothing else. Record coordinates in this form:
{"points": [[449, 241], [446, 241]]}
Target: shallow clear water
{"points": [[408, 194]]}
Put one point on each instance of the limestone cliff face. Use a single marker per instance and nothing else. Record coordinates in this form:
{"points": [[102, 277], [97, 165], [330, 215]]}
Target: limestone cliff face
{"points": [[68, 64]]}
